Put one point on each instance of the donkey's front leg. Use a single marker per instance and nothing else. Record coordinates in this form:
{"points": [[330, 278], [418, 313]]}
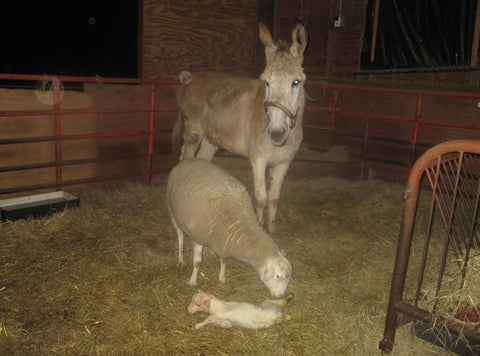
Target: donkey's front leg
{"points": [[277, 176], [259, 168]]}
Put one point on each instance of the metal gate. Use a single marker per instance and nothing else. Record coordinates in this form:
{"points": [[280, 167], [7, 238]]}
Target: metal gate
{"points": [[437, 245]]}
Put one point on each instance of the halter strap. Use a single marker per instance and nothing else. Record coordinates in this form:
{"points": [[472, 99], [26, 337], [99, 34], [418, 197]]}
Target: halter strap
{"points": [[292, 116]]}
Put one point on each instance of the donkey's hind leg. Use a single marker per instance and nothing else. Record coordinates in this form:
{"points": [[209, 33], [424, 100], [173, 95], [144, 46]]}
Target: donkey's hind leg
{"points": [[192, 137], [206, 150]]}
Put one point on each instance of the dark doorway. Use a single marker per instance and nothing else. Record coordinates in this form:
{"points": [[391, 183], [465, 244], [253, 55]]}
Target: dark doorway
{"points": [[67, 37]]}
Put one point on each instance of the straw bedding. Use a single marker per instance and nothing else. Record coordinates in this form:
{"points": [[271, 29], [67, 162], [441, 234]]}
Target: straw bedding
{"points": [[103, 278]]}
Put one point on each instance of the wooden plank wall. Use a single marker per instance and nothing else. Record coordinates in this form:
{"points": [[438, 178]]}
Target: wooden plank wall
{"points": [[195, 35], [334, 53], [330, 50], [176, 33]]}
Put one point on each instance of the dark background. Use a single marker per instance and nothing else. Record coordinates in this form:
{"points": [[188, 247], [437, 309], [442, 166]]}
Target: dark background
{"points": [[69, 37], [420, 34]]}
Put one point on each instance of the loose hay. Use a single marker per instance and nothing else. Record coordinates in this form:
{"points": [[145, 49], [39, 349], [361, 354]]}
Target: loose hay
{"points": [[104, 278]]}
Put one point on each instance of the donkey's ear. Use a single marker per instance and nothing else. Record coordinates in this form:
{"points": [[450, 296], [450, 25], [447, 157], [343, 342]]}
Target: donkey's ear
{"points": [[299, 39], [265, 35]]}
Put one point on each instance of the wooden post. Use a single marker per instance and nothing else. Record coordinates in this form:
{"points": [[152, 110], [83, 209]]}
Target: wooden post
{"points": [[374, 32], [476, 34]]}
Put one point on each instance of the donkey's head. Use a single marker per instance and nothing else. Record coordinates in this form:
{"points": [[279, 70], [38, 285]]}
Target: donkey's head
{"points": [[284, 79]]}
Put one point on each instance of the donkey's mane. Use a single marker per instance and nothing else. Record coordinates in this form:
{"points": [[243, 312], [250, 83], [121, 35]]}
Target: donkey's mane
{"points": [[282, 45]]}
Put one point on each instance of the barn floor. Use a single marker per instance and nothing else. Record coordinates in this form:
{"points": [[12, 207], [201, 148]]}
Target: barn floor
{"points": [[103, 278]]}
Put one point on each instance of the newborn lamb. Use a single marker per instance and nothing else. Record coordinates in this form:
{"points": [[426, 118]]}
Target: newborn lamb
{"points": [[235, 314]]}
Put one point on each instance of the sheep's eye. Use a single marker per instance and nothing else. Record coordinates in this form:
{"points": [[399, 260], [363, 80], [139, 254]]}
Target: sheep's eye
{"points": [[296, 83]]}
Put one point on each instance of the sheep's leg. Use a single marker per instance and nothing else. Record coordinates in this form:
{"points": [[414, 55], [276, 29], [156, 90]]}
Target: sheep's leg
{"points": [[277, 175], [180, 236], [197, 260], [221, 276], [206, 150], [212, 319], [259, 187]]}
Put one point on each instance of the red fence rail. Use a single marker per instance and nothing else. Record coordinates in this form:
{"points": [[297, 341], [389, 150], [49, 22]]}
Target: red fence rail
{"points": [[345, 114], [57, 112], [360, 116]]}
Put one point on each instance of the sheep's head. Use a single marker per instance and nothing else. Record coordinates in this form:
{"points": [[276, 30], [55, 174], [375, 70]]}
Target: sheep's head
{"points": [[276, 274], [200, 303]]}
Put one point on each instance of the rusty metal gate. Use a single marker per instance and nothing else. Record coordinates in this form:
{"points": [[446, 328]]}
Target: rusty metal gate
{"points": [[438, 242]]}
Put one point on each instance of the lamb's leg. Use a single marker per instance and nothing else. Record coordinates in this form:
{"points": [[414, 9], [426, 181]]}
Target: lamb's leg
{"points": [[259, 187], [197, 260], [221, 276], [206, 150], [212, 319], [277, 174]]}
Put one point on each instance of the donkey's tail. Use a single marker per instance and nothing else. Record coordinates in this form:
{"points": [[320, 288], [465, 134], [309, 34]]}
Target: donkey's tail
{"points": [[177, 135]]}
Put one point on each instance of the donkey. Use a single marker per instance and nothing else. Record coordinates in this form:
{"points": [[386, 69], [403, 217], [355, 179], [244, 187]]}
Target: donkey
{"points": [[260, 119]]}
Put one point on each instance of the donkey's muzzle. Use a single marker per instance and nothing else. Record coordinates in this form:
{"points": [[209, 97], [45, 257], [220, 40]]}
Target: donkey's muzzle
{"points": [[278, 136], [291, 115]]}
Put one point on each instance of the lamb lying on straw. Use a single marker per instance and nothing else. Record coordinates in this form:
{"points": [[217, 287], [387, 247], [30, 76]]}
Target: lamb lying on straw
{"points": [[235, 314]]}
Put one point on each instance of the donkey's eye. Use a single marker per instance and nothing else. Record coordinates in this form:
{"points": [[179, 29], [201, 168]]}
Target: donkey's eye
{"points": [[266, 84], [296, 83]]}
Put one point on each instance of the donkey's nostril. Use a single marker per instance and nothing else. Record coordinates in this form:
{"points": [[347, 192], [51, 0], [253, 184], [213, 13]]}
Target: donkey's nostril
{"points": [[277, 131], [278, 136]]}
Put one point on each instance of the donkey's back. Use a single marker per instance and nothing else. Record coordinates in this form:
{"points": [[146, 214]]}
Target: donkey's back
{"points": [[220, 107]]}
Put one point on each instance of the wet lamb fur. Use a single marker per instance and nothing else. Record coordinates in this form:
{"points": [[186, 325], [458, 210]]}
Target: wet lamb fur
{"points": [[235, 314], [215, 210]]}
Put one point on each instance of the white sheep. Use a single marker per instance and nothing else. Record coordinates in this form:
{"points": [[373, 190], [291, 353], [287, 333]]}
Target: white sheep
{"points": [[216, 211], [235, 314]]}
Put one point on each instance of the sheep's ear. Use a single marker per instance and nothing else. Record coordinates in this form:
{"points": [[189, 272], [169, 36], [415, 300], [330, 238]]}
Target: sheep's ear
{"points": [[268, 273], [283, 252], [204, 299]]}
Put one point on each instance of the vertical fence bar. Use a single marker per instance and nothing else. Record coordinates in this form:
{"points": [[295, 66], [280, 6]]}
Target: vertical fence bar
{"points": [[333, 110], [151, 133], [416, 128], [58, 130]]}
